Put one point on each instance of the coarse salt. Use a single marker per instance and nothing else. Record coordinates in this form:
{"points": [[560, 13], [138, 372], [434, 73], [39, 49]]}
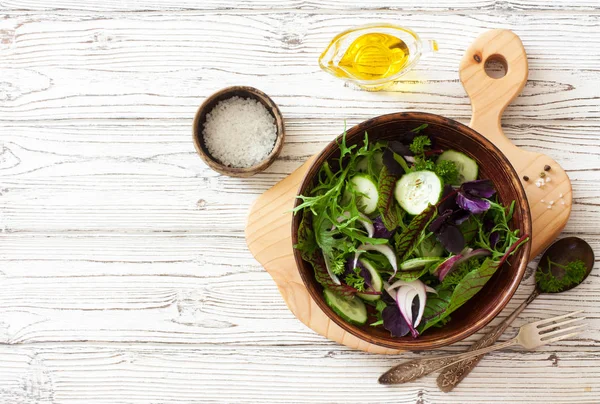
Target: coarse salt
{"points": [[239, 132], [548, 179]]}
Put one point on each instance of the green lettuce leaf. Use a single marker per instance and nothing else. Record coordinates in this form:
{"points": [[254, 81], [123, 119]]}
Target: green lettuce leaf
{"points": [[409, 276], [386, 202], [472, 283], [306, 237], [435, 309], [449, 300]]}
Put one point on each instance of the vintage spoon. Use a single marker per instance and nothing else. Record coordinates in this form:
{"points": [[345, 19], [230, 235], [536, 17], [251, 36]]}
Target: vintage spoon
{"points": [[561, 252]]}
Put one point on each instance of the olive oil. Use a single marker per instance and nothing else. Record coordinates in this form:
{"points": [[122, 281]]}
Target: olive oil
{"points": [[374, 56]]}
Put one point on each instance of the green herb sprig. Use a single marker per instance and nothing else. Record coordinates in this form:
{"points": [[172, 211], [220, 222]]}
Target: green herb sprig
{"points": [[572, 274]]}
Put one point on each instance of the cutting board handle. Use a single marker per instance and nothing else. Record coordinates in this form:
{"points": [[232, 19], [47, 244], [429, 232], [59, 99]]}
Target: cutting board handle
{"points": [[490, 96]]}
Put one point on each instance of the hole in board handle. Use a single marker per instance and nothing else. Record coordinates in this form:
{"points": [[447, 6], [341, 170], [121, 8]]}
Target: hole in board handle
{"points": [[496, 66]]}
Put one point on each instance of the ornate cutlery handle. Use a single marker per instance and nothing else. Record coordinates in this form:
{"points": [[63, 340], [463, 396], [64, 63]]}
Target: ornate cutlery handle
{"points": [[454, 374], [415, 369]]}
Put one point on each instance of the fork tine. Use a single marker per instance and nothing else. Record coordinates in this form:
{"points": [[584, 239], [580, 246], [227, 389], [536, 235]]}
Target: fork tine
{"points": [[561, 331], [550, 320], [561, 337], [554, 325]]}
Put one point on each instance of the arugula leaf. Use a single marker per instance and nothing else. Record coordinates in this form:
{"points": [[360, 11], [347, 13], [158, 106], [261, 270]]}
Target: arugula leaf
{"points": [[407, 240], [419, 128], [324, 236], [386, 202]]}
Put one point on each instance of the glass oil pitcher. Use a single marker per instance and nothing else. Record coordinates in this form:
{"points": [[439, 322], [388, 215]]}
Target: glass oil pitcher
{"points": [[373, 56]]}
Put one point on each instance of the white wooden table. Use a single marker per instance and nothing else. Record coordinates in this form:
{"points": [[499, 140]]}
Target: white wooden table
{"points": [[124, 274]]}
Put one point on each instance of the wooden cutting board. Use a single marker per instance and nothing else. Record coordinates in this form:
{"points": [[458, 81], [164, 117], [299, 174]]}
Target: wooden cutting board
{"points": [[268, 231]]}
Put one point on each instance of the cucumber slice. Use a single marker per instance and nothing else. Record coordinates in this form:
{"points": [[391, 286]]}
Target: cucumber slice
{"points": [[376, 281], [430, 247], [353, 311], [467, 167], [415, 263], [416, 190], [365, 185]]}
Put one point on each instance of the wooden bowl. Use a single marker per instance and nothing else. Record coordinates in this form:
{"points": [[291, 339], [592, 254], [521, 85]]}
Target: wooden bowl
{"points": [[489, 302], [209, 104]]}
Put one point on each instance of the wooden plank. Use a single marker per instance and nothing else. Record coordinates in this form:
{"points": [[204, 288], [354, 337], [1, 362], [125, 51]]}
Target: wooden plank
{"points": [[121, 373], [481, 6]]}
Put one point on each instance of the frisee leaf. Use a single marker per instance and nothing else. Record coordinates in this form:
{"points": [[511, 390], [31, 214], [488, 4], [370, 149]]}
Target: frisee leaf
{"points": [[386, 202]]}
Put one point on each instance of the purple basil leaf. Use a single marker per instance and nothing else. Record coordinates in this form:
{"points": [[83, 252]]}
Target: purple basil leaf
{"points": [[480, 188], [391, 164], [488, 225], [440, 221], [348, 267], [447, 202], [387, 299], [460, 216], [472, 204], [451, 238], [394, 322], [380, 229], [494, 238], [400, 148], [364, 272]]}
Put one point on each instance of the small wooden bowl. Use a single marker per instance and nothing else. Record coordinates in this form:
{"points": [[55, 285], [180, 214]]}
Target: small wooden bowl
{"points": [[489, 302], [210, 103]]}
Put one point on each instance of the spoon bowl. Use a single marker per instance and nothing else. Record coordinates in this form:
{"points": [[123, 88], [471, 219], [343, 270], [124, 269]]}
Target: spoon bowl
{"points": [[564, 251]]}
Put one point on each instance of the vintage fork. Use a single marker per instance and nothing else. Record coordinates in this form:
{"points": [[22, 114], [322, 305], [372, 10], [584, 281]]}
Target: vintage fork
{"points": [[531, 336]]}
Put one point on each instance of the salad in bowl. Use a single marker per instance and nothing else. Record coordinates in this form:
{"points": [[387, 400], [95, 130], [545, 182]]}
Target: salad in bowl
{"points": [[402, 232]]}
